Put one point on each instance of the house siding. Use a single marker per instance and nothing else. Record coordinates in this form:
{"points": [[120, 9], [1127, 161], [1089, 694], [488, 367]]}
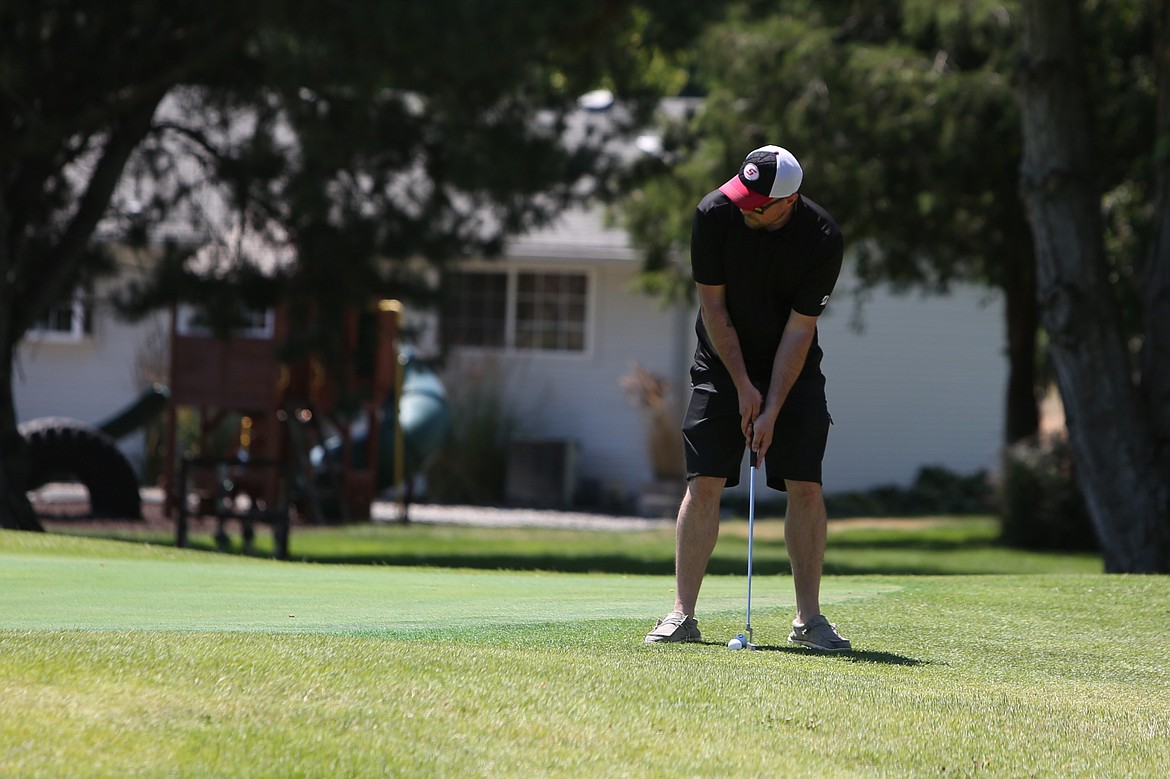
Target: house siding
{"points": [[922, 384], [578, 398], [92, 379]]}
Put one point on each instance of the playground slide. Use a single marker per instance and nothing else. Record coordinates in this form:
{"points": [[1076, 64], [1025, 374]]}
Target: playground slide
{"points": [[425, 419], [149, 405]]}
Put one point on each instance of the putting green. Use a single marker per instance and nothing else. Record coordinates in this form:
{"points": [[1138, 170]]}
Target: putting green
{"points": [[97, 585]]}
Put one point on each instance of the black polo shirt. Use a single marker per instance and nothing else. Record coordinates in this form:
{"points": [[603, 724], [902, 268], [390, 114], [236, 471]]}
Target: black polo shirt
{"points": [[767, 275]]}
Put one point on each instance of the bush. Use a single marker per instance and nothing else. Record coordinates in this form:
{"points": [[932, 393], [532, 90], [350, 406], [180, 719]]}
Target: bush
{"points": [[1040, 503], [936, 490], [472, 465]]}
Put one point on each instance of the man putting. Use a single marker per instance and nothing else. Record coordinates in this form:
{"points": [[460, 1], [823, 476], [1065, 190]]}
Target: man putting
{"points": [[765, 260]]}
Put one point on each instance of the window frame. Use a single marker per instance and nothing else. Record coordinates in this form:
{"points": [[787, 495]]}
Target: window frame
{"points": [[81, 321], [504, 326], [185, 326], [512, 275]]}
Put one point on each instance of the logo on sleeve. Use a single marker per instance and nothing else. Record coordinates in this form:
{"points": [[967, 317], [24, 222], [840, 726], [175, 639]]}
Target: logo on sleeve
{"points": [[825, 300]]}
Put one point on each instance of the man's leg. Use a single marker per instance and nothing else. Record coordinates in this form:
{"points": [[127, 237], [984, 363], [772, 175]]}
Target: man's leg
{"points": [[696, 532], [805, 527], [712, 437]]}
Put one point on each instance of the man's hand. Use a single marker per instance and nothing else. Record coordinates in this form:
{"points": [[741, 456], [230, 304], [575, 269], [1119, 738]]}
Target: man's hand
{"points": [[786, 367], [750, 401], [759, 436]]}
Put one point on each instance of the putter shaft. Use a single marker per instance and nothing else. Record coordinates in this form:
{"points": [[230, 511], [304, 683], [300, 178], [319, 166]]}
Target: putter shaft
{"points": [[751, 537]]}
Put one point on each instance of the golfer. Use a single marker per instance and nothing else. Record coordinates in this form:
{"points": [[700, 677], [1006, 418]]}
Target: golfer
{"points": [[764, 260]]}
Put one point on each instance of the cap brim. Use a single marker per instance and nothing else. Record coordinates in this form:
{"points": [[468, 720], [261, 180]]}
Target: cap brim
{"points": [[744, 198]]}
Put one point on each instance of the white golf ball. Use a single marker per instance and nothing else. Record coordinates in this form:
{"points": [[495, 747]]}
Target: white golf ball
{"points": [[735, 643]]}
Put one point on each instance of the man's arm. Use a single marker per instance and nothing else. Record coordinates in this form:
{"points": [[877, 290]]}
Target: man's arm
{"points": [[713, 305], [786, 368]]}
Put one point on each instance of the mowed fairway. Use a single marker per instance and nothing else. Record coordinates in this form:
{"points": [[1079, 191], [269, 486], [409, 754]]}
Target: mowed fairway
{"points": [[121, 659]]}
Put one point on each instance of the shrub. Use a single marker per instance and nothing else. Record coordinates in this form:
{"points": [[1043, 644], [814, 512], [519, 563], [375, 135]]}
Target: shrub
{"points": [[936, 490], [1040, 503], [651, 392], [472, 466]]}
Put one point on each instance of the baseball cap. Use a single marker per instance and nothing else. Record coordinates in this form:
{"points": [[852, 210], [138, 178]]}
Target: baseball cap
{"points": [[767, 173]]}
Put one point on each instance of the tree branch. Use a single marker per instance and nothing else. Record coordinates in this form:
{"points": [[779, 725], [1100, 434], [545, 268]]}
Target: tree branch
{"points": [[51, 272]]}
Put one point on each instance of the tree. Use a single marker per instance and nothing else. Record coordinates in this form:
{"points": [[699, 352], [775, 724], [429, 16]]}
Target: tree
{"points": [[1118, 411], [905, 117], [352, 137]]}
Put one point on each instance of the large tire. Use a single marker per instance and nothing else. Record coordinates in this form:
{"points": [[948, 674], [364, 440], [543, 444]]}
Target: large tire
{"points": [[62, 449]]}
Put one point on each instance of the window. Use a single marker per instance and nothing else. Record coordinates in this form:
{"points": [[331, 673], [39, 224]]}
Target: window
{"points": [[475, 310], [254, 323], [526, 310], [550, 311], [70, 320]]}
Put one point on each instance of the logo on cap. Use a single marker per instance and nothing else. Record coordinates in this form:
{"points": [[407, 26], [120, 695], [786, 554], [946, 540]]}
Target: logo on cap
{"points": [[751, 172]]}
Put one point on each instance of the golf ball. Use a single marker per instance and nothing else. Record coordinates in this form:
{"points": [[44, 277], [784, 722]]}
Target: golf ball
{"points": [[735, 643]]}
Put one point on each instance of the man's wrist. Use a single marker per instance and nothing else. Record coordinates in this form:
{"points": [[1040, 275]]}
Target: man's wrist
{"points": [[743, 383]]}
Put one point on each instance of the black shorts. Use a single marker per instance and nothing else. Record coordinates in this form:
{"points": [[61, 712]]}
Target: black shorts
{"points": [[715, 445]]}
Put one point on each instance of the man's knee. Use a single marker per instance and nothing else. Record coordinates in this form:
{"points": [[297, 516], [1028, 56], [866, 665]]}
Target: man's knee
{"points": [[804, 492], [704, 491]]}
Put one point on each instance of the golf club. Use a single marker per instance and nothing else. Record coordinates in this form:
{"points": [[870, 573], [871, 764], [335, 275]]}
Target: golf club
{"points": [[744, 640]]}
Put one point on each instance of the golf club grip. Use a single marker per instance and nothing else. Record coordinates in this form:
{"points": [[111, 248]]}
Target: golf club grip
{"points": [[754, 457]]}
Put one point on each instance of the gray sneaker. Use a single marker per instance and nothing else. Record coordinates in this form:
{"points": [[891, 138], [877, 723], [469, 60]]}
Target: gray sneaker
{"points": [[674, 628], [818, 633]]}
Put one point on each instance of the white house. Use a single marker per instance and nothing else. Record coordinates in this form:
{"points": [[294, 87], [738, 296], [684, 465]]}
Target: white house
{"points": [[87, 364], [922, 383], [555, 323]]}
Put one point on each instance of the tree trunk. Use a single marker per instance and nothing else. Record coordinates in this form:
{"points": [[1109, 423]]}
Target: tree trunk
{"points": [[1111, 436], [40, 280], [1155, 278], [16, 513], [1023, 321]]}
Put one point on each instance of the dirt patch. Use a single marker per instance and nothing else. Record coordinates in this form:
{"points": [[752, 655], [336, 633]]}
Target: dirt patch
{"points": [[74, 515], [66, 508]]}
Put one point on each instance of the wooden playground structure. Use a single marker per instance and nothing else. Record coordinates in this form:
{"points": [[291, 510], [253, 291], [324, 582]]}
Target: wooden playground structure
{"points": [[281, 408]]}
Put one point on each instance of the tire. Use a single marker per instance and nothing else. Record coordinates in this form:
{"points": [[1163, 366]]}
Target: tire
{"points": [[62, 449]]}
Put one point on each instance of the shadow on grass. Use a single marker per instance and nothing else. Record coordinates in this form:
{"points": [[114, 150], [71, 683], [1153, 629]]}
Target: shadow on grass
{"points": [[551, 562], [625, 564], [722, 564], [853, 656], [912, 543], [944, 552], [731, 560]]}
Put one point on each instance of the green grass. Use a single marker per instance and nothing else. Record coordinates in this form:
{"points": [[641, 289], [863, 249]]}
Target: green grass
{"points": [[939, 545], [124, 659]]}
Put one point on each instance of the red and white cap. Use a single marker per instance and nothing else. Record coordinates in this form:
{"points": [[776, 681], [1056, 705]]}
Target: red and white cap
{"points": [[767, 173]]}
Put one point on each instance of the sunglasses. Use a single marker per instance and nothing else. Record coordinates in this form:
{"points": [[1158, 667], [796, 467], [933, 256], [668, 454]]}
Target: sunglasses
{"points": [[765, 207]]}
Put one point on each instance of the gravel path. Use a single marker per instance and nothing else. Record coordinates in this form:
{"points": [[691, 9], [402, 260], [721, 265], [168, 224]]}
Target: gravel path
{"points": [[65, 502], [487, 516]]}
